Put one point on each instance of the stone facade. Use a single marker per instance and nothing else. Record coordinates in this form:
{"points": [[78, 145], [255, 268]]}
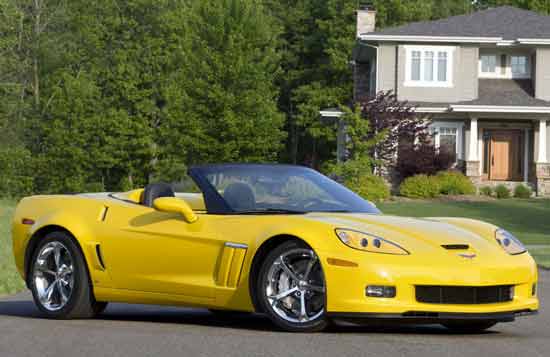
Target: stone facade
{"points": [[472, 171], [543, 179]]}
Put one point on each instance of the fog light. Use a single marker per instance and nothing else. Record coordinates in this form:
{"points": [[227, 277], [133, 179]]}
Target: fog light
{"points": [[512, 293], [381, 291], [534, 289]]}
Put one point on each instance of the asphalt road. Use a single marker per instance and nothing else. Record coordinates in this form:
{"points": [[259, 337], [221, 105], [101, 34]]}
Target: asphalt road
{"points": [[136, 330]]}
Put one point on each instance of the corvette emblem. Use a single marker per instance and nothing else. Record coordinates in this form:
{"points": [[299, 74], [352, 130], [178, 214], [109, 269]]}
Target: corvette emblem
{"points": [[467, 255]]}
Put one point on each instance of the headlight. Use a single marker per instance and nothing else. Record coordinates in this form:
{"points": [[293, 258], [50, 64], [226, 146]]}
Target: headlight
{"points": [[368, 242], [509, 243]]}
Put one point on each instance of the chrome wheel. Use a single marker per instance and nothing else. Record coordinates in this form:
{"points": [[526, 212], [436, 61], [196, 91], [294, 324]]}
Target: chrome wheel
{"points": [[53, 276], [295, 286]]}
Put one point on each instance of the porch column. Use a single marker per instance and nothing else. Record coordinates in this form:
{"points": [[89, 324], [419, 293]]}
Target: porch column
{"points": [[473, 167], [472, 153], [541, 158], [541, 162], [526, 155]]}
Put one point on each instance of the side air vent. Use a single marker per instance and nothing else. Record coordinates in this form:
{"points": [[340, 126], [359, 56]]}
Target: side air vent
{"points": [[456, 246], [99, 256], [230, 264]]}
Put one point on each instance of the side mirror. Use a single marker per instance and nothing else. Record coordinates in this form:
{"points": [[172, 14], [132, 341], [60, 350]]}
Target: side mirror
{"points": [[175, 205]]}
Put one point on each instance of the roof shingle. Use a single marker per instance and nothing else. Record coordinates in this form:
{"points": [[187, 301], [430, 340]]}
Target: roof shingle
{"points": [[507, 22]]}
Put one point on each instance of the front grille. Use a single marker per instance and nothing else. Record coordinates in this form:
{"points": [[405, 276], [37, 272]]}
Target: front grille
{"points": [[464, 294]]}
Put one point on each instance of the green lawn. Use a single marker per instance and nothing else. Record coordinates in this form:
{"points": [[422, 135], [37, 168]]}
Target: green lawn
{"points": [[529, 220], [10, 281]]}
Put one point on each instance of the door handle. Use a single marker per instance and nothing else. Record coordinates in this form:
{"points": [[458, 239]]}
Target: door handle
{"points": [[492, 160]]}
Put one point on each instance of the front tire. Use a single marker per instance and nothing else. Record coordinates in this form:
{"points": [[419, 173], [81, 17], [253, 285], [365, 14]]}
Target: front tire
{"points": [[469, 326], [291, 288], [59, 280]]}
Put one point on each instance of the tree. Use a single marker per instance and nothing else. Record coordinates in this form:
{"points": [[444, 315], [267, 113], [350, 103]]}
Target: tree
{"points": [[226, 109]]}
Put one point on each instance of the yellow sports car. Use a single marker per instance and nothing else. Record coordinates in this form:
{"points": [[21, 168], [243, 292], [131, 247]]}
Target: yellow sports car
{"points": [[281, 240]]}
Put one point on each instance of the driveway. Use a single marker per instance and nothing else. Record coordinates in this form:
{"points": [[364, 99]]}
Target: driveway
{"points": [[136, 330]]}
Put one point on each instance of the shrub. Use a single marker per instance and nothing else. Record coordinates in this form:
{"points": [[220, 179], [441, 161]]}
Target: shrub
{"points": [[370, 187], [420, 186], [501, 191], [486, 191], [522, 191], [454, 183], [424, 159]]}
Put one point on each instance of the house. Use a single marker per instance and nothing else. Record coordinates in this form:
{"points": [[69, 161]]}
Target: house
{"points": [[483, 79]]}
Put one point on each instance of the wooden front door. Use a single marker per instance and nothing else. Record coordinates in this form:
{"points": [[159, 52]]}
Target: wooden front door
{"points": [[505, 155]]}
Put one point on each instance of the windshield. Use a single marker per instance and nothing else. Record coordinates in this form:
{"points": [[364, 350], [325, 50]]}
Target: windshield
{"points": [[275, 189]]}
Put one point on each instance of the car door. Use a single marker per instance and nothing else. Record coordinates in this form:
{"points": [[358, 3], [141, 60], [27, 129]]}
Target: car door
{"points": [[160, 252]]}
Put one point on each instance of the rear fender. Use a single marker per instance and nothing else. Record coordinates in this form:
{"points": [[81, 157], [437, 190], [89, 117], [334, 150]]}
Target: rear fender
{"points": [[81, 232]]}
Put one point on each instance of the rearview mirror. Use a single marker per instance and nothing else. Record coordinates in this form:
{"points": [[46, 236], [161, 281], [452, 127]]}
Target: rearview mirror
{"points": [[175, 205]]}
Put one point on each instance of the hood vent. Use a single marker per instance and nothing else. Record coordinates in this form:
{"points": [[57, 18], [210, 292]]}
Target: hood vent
{"points": [[456, 246]]}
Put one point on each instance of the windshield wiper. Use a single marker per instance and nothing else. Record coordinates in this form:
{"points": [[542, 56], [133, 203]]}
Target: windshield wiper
{"points": [[271, 211]]}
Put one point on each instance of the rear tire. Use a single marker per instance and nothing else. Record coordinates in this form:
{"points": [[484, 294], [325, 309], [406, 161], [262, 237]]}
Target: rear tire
{"points": [[59, 281], [469, 326], [291, 288]]}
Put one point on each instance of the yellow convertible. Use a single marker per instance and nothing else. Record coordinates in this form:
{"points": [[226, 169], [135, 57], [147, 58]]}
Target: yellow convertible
{"points": [[281, 240]]}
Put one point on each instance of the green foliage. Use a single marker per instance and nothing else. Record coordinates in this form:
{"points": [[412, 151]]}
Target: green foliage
{"points": [[486, 191], [112, 94], [420, 186], [370, 187], [347, 170], [10, 280], [16, 175], [223, 103], [522, 191], [502, 192], [454, 183]]}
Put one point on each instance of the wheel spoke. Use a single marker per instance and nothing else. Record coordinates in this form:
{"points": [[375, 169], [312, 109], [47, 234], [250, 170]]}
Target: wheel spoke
{"points": [[43, 269], [316, 288], [283, 294], [287, 269], [57, 256], [310, 266], [64, 296], [49, 291], [303, 313]]}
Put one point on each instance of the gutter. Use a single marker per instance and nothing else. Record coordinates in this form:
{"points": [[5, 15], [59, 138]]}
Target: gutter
{"points": [[499, 109], [401, 38]]}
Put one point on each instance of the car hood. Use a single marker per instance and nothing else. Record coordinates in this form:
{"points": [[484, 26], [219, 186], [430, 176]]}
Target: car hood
{"points": [[418, 234]]}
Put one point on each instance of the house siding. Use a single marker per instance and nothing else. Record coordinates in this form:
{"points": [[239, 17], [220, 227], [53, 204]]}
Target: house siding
{"points": [[387, 67], [542, 83], [465, 79]]}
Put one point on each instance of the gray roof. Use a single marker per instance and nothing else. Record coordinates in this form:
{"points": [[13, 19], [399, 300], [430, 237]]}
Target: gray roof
{"points": [[507, 22], [499, 92], [507, 92]]}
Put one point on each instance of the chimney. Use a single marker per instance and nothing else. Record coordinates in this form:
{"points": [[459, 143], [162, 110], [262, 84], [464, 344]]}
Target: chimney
{"points": [[366, 19]]}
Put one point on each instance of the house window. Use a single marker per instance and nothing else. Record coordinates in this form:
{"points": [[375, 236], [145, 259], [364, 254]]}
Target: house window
{"points": [[416, 64], [489, 63], [519, 65], [442, 66], [504, 66], [448, 141], [447, 138], [428, 66]]}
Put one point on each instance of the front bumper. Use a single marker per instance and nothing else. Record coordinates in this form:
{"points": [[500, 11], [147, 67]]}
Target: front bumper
{"points": [[346, 296], [420, 317]]}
